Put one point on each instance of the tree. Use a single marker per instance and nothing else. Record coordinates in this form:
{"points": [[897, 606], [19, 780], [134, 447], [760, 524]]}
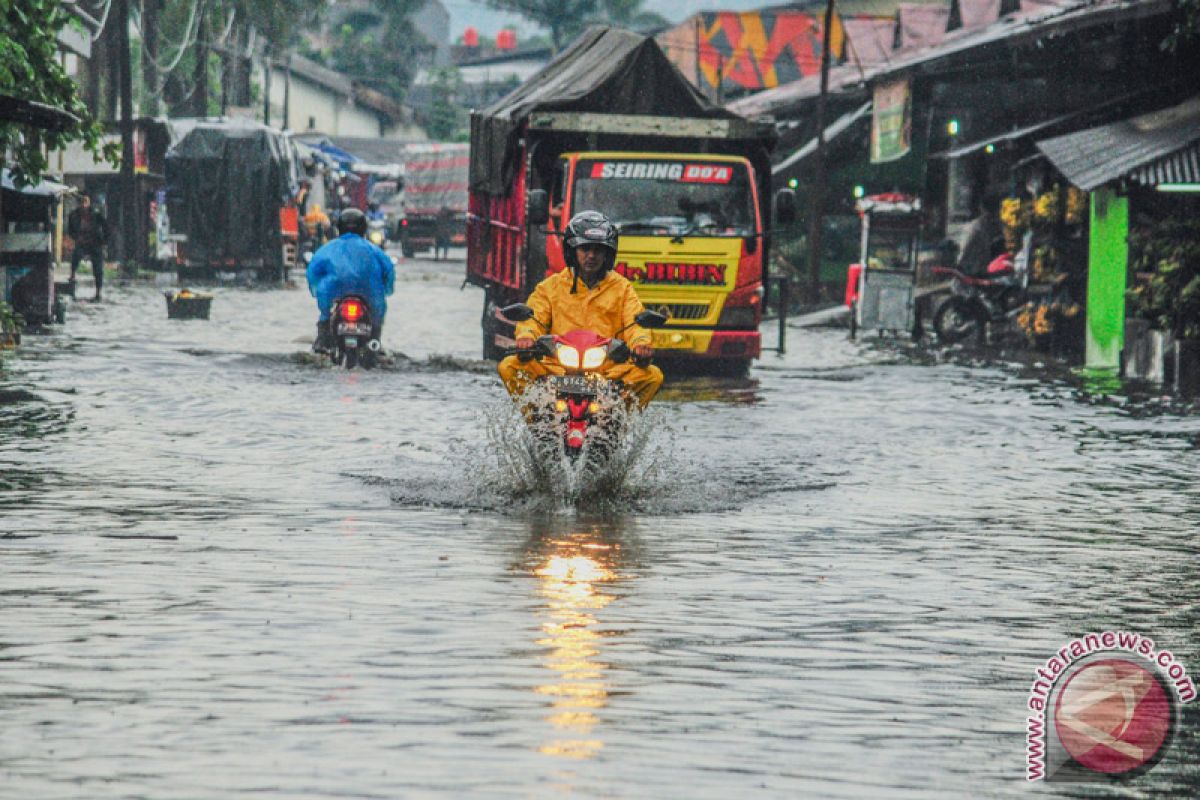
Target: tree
{"points": [[30, 70], [564, 19], [630, 14], [445, 117], [380, 48]]}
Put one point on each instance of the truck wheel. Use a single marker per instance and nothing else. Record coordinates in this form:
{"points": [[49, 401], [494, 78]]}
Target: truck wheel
{"points": [[408, 251]]}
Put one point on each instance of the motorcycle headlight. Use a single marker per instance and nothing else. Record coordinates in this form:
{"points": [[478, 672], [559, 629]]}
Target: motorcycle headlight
{"points": [[376, 237], [568, 356], [593, 357]]}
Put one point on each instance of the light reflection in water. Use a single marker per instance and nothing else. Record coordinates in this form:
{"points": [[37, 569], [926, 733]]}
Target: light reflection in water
{"points": [[571, 577]]}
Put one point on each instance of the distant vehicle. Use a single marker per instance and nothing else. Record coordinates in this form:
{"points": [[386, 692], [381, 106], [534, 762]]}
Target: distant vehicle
{"points": [[231, 186], [388, 195], [435, 178]]}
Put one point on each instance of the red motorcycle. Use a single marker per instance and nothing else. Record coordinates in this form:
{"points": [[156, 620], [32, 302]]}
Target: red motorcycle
{"points": [[583, 398]]}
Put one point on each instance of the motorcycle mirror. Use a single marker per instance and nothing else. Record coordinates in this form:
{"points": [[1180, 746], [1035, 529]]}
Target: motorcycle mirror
{"points": [[651, 319], [785, 206], [618, 351], [517, 312]]}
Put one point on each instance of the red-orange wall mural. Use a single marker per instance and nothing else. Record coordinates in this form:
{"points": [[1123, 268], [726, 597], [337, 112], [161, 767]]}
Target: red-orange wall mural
{"points": [[748, 51]]}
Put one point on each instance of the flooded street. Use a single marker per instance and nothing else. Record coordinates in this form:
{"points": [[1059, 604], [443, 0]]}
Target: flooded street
{"points": [[230, 571]]}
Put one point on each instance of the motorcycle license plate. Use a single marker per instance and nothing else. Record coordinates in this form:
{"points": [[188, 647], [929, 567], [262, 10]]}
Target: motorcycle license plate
{"points": [[356, 328], [574, 384]]}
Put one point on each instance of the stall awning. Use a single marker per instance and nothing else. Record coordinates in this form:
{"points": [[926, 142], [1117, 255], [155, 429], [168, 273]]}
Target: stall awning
{"points": [[840, 126], [1153, 148], [44, 188]]}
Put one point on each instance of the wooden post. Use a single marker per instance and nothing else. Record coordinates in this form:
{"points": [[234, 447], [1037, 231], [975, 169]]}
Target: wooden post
{"points": [[817, 213]]}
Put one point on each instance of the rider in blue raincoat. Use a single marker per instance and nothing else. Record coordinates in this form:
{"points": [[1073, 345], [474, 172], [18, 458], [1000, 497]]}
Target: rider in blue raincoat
{"points": [[350, 265]]}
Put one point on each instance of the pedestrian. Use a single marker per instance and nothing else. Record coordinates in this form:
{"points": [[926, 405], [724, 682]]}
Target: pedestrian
{"points": [[89, 230], [443, 230]]}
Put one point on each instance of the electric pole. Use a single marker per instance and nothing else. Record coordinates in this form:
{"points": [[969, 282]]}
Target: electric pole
{"points": [[817, 212]]}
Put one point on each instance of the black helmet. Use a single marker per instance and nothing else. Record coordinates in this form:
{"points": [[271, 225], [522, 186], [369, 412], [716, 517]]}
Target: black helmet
{"points": [[589, 227], [351, 220]]}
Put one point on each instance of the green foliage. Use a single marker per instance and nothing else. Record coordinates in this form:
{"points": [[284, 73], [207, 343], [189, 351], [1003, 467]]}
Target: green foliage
{"points": [[383, 55], [445, 118], [30, 70], [1167, 257], [10, 322], [566, 19]]}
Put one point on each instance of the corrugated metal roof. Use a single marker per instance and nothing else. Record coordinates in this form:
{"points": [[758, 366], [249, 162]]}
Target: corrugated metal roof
{"points": [[1153, 148]]}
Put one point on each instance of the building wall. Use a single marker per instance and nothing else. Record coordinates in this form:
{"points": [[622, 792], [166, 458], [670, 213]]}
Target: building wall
{"points": [[317, 108], [433, 21]]}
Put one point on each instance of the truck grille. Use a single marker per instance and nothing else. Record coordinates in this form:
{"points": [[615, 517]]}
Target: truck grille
{"points": [[686, 311]]}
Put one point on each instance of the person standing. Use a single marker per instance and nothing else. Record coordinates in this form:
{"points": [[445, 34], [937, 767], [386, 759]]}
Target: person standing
{"points": [[88, 228], [443, 231]]}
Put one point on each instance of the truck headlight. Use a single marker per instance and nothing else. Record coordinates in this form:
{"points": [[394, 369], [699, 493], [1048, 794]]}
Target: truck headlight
{"points": [[744, 317]]}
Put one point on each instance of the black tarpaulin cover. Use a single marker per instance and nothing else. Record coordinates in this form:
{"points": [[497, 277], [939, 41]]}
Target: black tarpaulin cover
{"points": [[226, 181], [605, 70]]}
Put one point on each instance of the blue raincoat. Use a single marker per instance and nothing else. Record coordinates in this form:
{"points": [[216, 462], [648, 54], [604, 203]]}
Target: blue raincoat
{"points": [[351, 265]]}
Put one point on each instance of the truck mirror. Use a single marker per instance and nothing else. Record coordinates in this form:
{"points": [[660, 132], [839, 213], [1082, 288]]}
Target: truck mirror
{"points": [[517, 312], [539, 207], [651, 319], [785, 207]]}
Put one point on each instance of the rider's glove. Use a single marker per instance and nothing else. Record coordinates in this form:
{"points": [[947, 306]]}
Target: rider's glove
{"points": [[642, 355]]}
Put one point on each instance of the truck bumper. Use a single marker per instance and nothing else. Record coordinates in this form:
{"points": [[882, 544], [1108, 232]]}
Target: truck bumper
{"points": [[707, 344]]}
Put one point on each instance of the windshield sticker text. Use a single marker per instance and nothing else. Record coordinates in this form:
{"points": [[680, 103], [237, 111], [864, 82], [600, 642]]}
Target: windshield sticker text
{"points": [[651, 170]]}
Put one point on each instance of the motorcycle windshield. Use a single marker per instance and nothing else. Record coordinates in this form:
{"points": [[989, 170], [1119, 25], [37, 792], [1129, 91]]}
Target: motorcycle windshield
{"points": [[668, 197]]}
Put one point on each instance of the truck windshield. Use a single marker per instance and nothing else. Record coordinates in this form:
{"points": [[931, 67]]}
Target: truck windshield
{"points": [[667, 198]]}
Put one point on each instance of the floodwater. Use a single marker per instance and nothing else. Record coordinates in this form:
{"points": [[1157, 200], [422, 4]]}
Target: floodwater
{"points": [[228, 571]]}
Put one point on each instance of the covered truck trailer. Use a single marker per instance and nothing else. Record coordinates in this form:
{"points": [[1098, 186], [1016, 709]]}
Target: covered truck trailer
{"points": [[435, 187], [231, 188], [611, 125]]}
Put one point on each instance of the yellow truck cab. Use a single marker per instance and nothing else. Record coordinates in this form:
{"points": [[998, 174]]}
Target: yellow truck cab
{"points": [[690, 225]]}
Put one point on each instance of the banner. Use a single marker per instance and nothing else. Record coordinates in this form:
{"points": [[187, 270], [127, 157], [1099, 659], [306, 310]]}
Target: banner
{"points": [[891, 121]]}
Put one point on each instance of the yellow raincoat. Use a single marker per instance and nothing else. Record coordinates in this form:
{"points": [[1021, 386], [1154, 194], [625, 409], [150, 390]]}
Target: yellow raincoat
{"points": [[606, 308]]}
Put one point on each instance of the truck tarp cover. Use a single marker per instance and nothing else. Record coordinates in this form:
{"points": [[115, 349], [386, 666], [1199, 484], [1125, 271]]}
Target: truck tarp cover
{"points": [[435, 177], [226, 183], [605, 70]]}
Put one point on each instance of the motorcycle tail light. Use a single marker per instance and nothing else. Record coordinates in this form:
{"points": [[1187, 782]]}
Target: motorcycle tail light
{"points": [[352, 311], [568, 356], [593, 357]]}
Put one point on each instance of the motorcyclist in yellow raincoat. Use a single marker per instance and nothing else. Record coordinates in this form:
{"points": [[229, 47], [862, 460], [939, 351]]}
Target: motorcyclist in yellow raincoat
{"points": [[588, 296]]}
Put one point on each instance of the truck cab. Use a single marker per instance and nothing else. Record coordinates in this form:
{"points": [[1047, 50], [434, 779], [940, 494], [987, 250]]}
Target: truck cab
{"points": [[690, 228]]}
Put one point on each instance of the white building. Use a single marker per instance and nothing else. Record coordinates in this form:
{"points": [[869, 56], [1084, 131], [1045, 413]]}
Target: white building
{"points": [[309, 98]]}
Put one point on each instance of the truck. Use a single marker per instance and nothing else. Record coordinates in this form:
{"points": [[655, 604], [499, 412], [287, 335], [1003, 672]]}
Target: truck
{"points": [[231, 189], [435, 179], [611, 125]]}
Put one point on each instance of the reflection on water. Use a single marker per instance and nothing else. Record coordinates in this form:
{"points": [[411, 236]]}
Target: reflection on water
{"points": [[573, 573]]}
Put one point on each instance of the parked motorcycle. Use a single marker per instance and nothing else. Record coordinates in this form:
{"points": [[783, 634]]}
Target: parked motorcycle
{"points": [[976, 301], [582, 399], [352, 332]]}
